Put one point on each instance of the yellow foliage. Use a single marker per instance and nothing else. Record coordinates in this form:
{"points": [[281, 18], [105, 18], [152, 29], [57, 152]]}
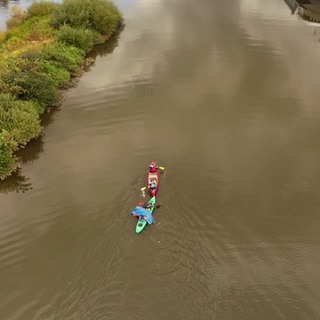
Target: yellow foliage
{"points": [[18, 12], [2, 36]]}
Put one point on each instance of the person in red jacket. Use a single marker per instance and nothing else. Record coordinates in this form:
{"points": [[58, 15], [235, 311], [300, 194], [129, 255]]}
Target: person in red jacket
{"points": [[153, 167]]}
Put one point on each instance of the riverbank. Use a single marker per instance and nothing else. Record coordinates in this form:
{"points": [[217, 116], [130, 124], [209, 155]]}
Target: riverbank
{"points": [[43, 52]]}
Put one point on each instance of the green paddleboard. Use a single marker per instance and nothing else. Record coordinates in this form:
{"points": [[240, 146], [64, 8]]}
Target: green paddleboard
{"points": [[142, 222]]}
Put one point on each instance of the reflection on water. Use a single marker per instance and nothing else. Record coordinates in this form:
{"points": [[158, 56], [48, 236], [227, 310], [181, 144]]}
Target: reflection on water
{"points": [[27, 155], [106, 48], [32, 151], [5, 3], [49, 116], [16, 183]]}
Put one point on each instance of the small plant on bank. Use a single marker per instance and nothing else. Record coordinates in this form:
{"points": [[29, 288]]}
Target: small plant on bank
{"points": [[83, 39], [8, 161], [99, 15], [19, 119], [27, 80], [2, 36], [41, 8], [18, 15], [19, 123], [67, 57]]}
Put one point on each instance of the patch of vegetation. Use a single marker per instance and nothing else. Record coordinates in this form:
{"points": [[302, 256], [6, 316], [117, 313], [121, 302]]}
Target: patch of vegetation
{"points": [[19, 119], [67, 57], [41, 8], [43, 48], [100, 15], [8, 161], [25, 78], [19, 123], [18, 15], [83, 39]]}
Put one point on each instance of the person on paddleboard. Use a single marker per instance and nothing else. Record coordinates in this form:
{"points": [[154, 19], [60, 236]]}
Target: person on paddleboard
{"points": [[148, 206], [152, 185]]}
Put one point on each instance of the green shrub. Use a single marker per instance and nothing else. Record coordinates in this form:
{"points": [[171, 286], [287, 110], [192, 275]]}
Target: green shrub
{"points": [[39, 87], [68, 57], [31, 54], [13, 41], [42, 8], [7, 80], [7, 102], [27, 80], [14, 32], [75, 13], [19, 123], [19, 119], [100, 15], [2, 36], [83, 39], [58, 74], [8, 162], [23, 124], [13, 22], [34, 28], [105, 17], [37, 106]]}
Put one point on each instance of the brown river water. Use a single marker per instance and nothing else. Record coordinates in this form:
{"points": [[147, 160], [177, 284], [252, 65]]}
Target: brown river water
{"points": [[224, 95]]}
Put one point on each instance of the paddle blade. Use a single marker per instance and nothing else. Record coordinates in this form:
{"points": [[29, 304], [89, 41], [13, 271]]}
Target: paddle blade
{"points": [[143, 188], [161, 168]]}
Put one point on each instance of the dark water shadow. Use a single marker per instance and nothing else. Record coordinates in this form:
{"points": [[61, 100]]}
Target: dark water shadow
{"points": [[307, 10], [4, 3], [102, 50], [27, 155], [32, 152], [292, 4], [49, 117], [18, 182]]}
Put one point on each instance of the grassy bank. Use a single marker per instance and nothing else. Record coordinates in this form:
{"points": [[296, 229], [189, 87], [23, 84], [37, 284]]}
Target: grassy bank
{"points": [[43, 50]]}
